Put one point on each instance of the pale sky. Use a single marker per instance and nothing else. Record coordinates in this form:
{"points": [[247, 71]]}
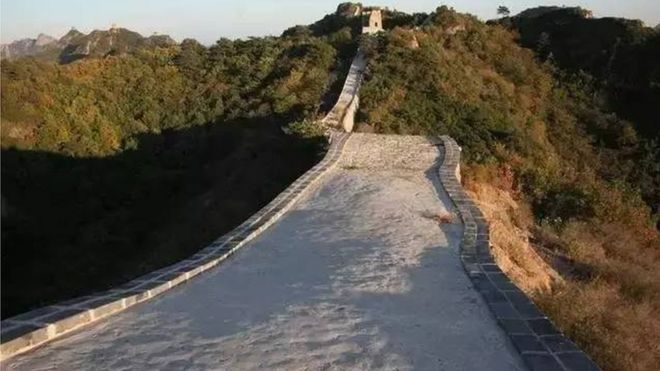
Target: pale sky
{"points": [[208, 20]]}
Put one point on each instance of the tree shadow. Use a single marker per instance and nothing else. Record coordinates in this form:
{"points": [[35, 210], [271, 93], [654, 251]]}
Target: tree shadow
{"points": [[331, 286], [73, 226]]}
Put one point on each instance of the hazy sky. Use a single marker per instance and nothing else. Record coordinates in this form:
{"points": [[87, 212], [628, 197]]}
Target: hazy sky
{"points": [[208, 20]]}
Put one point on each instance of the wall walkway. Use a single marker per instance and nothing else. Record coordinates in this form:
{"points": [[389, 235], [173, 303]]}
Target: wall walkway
{"points": [[358, 274]]}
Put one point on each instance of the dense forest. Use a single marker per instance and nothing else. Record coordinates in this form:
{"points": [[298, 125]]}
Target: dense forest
{"points": [[616, 61], [537, 131], [122, 161], [617, 58]]}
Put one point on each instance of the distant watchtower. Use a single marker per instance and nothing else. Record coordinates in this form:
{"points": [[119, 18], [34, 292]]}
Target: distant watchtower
{"points": [[374, 21]]}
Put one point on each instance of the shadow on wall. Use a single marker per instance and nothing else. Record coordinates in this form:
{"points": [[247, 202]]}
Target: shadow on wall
{"points": [[74, 226]]}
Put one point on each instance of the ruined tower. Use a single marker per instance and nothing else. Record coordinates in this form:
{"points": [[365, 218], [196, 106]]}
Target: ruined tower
{"points": [[374, 21]]}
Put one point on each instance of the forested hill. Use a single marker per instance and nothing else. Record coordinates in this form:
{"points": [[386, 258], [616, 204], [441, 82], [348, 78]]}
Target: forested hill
{"points": [[618, 58], [614, 60], [96, 105], [116, 164], [569, 172]]}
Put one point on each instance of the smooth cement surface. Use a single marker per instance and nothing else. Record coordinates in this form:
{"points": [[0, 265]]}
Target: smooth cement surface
{"points": [[358, 275]]}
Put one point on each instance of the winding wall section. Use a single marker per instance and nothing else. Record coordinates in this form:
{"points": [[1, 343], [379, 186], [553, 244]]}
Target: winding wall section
{"points": [[357, 275], [342, 115]]}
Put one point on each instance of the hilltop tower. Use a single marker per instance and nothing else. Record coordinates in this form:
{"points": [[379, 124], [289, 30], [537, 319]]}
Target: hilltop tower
{"points": [[374, 20]]}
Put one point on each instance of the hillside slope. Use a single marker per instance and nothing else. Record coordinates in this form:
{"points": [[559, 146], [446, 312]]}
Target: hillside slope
{"points": [[535, 162], [27, 47], [120, 163], [621, 57]]}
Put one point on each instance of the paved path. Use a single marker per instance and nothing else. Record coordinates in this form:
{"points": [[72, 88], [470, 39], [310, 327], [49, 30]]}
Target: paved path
{"points": [[355, 276]]}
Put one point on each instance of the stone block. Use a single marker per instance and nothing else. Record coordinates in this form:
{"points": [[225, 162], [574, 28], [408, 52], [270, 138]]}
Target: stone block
{"points": [[515, 326], [578, 362], [529, 311], [501, 281], [542, 362], [527, 343], [559, 343], [494, 296], [503, 310], [18, 338], [491, 268], [68, 319], [543, 326]]}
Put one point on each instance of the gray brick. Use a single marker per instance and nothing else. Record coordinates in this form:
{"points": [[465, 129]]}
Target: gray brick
{"points": [[527, 343], [529, 311], [22, 337], [494, 296], [542, 327], [491, 268], [518, 298], [485, 259], [578, 362], [501, 281], [515, 326], [503, 310], [542, 362], [559, 343]]}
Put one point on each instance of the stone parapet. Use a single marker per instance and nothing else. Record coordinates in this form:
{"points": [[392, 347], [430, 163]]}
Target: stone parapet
{"points": [[342, 115], [541, 345]]}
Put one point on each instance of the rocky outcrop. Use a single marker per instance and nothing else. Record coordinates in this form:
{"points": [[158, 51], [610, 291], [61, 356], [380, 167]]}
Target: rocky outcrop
{"points": [[75, 45], [27, 47], [70, 37], [115, 41]]}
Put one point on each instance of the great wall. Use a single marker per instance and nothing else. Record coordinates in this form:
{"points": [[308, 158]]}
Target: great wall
{"points": [[349, 268]]}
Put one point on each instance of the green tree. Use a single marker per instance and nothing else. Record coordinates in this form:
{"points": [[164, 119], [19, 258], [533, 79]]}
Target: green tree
{"points": [[503, 11]]}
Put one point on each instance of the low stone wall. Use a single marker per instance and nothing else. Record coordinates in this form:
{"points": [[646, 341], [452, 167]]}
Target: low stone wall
{"points": [[348, 121], [31, 329], [540, 344], [342, 115]]}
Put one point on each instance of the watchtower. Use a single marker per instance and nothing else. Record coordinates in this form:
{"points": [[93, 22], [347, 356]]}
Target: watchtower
{"points": [[374, 21]]}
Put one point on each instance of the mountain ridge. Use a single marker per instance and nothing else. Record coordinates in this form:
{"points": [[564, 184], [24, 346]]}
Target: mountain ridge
{"points": [[75, 45]]}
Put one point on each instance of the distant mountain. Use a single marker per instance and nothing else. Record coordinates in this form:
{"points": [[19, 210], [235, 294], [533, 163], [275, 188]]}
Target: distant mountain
{"points": [[111, 42], [27, 47], [75, 45], [543, 10]]}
